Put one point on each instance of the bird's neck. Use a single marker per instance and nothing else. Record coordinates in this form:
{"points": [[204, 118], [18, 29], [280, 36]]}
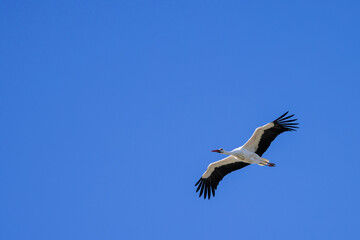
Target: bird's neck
{"points": [[226, 152]]}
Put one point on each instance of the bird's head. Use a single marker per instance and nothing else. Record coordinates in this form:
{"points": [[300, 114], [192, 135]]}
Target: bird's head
{"points": [[220, 150]]}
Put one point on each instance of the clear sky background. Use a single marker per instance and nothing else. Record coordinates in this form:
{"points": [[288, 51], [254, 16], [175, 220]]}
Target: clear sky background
{"points": [[109, 110]]}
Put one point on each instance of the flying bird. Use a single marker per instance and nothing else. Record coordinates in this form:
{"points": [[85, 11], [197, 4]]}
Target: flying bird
{"points": [[249, 153]]}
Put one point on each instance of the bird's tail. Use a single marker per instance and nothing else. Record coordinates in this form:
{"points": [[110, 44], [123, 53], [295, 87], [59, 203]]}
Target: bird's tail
{"points": [[264, 161]]}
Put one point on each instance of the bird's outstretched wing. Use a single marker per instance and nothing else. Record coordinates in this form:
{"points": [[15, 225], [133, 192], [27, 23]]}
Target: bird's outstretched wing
{"points": [[263, 136], [215, 172]]}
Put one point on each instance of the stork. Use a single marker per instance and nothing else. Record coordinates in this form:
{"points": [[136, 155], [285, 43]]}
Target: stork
{"points": [[249, 153]]}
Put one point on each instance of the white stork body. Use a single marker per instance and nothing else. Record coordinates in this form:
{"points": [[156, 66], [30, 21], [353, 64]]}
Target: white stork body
{"points": [[237, 155], [249, 153]]}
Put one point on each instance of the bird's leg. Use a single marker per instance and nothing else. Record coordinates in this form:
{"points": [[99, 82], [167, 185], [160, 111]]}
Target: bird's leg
{"points": [[257, 160], [270, 164], [265, 162]]}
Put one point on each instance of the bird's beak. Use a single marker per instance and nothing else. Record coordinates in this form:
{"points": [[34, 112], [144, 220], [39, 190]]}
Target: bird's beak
{"points": [[216, 151]]}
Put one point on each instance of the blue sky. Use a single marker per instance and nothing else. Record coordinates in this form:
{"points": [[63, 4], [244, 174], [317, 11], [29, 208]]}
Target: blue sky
{"points": [[109, 110]]}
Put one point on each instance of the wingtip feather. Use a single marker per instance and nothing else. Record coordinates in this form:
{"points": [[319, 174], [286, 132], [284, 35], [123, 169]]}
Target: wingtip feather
{"points": [[197, 182], [282, 116]]}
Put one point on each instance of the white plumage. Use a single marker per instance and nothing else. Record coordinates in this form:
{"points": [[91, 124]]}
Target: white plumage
{"points": [[249, 153]]}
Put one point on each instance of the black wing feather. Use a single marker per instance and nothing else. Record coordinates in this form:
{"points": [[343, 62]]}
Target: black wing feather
{"points": [[208, 185], [281, 124]]}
